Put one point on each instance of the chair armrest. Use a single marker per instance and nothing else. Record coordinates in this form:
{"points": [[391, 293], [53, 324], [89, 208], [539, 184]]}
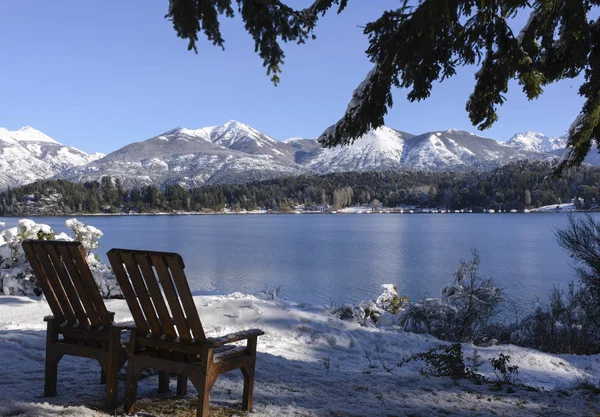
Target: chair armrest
{"points": [[48, 318], [233, 337]]}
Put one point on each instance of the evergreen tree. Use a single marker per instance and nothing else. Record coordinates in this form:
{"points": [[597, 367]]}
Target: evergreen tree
{"points": [[421, 43]]}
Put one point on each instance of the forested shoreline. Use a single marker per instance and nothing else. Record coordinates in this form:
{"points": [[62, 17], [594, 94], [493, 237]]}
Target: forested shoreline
{"points": [[518, 185]]}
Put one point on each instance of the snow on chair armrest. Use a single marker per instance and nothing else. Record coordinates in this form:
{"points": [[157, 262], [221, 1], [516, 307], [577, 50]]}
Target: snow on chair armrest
{"points": [[233, 337]]}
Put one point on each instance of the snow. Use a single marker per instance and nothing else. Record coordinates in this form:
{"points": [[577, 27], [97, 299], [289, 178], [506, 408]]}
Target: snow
{"points": [[16, 274], [378, 148], [556, 207], [309, 363], [27, 155], [536, 142], [28, 133]]}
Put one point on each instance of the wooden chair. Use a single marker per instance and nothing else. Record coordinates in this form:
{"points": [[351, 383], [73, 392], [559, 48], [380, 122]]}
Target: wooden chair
{"points": [[80, 325], [169, 335]]}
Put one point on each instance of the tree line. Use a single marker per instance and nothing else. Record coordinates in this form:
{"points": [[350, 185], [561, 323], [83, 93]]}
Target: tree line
{"points": [[518, 185]]}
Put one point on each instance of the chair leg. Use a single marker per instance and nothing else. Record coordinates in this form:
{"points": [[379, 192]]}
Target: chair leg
{"points": [[202, 383], [112, 368], [248, 371], [131, 388], [163, 382], [102, 377], [51, 374], [52, 359], [181, 385]]}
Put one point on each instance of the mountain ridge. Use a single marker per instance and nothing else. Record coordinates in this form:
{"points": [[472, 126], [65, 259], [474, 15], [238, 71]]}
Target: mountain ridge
{"points": [[237, 152], [27, 154]]}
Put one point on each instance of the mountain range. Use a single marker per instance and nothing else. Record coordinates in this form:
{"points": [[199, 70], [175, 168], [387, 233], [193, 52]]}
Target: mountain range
{"points": [[27, 155], [235, 152]]}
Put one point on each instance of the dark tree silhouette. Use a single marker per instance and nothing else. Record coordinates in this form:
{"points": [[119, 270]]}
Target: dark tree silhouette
{"points": [[422, 42]]}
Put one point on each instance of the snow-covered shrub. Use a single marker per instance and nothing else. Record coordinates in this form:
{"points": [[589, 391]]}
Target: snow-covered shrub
{"points": [[463, 312], [389, 300], [16, 275], [382, 312], [563, 326], [86, 234]]}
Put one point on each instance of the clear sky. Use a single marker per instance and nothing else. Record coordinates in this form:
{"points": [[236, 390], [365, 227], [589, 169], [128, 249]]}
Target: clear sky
{"points": [[98, 75]]}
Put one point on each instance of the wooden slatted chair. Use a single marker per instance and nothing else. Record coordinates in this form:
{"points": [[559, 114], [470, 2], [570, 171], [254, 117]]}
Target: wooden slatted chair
{"points": [[80, 324], [169, 335]]}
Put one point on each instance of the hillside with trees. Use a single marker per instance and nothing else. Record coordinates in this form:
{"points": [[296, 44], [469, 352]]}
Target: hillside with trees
{"points": [[517, 186]]}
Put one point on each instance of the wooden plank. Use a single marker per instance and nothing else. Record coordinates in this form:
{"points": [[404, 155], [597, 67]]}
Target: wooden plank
{"points": [[67, 283], [88, 281], [114, 257], [55, 283], [142, 292], [29, 248], [71, 266], [183, 289], [160, 264], [60, 250], [190, 347], [143, 260]]}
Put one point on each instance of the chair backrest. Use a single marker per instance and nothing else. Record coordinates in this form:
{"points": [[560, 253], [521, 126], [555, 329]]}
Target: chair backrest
{"points": [[65, 278], [169, 313]]}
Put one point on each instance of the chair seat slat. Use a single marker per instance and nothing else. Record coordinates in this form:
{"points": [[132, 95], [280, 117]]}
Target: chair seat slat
{"points": [[42, 280], [166, 281], [68, 285], [87, 280], [56, 284], [156, 295], [141, 292], [128, 291], [67, 257], [185, 294]]}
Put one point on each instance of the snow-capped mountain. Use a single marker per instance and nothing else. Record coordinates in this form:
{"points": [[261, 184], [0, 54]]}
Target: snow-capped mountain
{"points": [[27, 155], [386, 148], [382, 148], [241, 137], [537, 142], [236, 152], [232, 152]]}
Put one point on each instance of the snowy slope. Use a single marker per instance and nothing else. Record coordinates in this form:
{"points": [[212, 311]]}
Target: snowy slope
{"points": [[309, 363], [386, 148], [236, 152], [537, 142], [241, 137], [381, 148], [193, 158], [27, 155]]}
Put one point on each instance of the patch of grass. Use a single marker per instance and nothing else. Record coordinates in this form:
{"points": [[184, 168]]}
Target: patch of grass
{"points": [[181, 407]]}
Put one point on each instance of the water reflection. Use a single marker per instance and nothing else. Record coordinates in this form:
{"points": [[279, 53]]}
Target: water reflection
{"points": [[345, 258]]}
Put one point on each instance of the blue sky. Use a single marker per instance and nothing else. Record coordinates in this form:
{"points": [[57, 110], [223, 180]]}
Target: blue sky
{"points": [[100, 75]]}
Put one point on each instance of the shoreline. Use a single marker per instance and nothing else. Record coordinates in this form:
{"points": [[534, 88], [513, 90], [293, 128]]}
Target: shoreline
{"points": [[256, 213]]}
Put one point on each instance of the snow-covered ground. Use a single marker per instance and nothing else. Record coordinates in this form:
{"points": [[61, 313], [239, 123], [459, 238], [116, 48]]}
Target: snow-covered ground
{"points": [[556, 207], [309, 364]]}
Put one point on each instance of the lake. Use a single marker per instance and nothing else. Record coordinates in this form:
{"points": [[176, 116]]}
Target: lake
{"points": [[345, 258]]}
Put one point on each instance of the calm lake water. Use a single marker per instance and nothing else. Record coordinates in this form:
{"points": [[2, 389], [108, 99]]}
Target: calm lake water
{"points": [[345, 258]]}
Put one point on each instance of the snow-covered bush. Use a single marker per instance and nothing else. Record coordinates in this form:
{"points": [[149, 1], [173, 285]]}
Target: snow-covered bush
{"points": [[86, 234], [16, 275], [384, 311], [560, 327], [463, 312]]}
